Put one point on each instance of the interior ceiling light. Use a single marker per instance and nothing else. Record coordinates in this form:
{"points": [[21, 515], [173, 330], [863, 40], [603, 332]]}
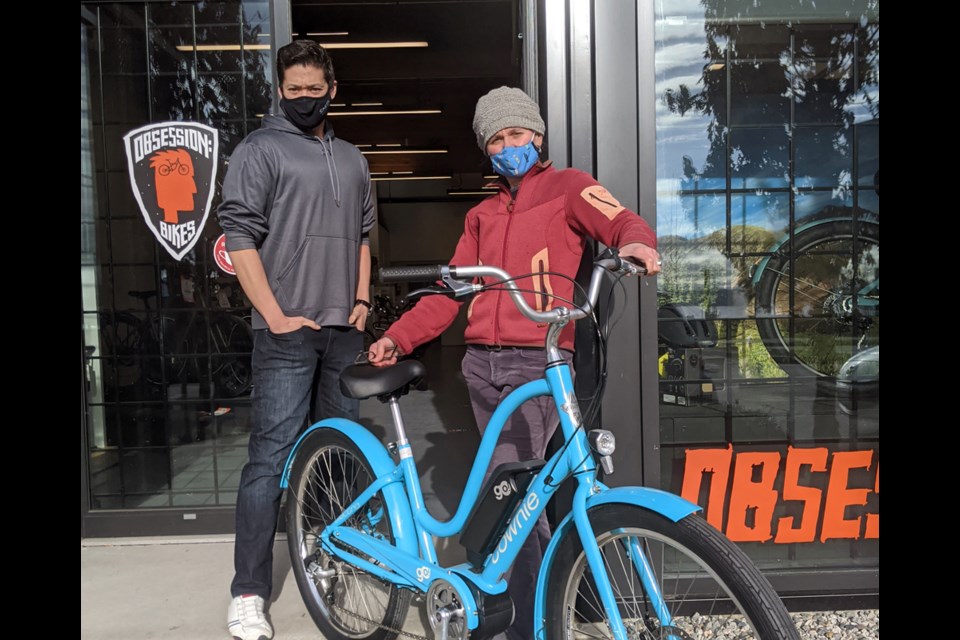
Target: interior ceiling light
{"points": [[471, 192], [394, 177], [223, 47], [384, 152], [399, 112], [325, 45]]}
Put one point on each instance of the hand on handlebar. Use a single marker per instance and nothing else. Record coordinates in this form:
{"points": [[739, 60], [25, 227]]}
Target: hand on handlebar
{"points": [[383, 353], [648, 256]]}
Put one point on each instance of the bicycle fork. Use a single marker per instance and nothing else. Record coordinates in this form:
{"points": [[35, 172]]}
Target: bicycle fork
{"points": [[638, 558]]}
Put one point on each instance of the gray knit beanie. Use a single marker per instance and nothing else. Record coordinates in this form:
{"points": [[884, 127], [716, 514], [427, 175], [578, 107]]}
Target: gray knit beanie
{"points": [[502, 108]]}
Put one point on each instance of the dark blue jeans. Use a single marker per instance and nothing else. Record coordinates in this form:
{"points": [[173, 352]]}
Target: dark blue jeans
{"points": [[296, 377]]}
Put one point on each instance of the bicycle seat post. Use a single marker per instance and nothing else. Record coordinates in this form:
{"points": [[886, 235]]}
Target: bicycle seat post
{"points": [[403, 446]]}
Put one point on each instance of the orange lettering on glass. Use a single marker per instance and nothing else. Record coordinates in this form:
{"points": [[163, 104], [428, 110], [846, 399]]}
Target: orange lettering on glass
{"points": [[748, 494], [840, 496]]}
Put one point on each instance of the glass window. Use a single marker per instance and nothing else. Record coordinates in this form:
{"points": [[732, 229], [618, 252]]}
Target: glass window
{"points": [[769, 303], [167, 341]]}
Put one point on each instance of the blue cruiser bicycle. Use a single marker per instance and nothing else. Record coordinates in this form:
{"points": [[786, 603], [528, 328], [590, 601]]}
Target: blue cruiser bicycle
{"points": [[626, 563]]}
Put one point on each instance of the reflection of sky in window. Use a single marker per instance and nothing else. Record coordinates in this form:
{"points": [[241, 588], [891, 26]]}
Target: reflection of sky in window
{"points": [[695, 216], [688, 216], [759, 156], [681, 45], [770, 211]]}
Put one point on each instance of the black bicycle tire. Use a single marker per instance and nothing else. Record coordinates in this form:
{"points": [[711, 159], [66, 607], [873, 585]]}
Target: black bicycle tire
{"points": [[774, 341], [727, 564], [398, 602]]}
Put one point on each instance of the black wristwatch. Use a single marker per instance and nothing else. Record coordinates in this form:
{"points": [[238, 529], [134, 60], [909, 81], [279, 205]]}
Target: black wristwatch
{"points": [[364, 303]]}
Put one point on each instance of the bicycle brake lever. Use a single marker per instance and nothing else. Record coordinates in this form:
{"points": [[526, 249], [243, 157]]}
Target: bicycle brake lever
{"points": [[429, 291], [459, 287], [450, 287]]}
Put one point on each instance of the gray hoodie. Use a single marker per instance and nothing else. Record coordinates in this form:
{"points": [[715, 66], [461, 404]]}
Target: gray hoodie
{"points": [[305, 204]]}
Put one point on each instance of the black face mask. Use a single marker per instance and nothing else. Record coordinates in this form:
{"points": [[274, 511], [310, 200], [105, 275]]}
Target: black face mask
{"points": [[306, 112]]}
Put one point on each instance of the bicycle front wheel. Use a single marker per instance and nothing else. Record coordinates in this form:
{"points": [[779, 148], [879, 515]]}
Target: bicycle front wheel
{"points": [[328, 473], [707, 586]]}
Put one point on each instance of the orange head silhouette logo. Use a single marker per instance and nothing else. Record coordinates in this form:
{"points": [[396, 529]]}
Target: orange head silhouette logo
{"points": [[173, 172]]}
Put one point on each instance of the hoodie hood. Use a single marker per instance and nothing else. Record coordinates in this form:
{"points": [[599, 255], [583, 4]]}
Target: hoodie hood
{"points": [[281, 123]]}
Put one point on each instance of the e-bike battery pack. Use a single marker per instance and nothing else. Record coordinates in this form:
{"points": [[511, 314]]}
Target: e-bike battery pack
{"points": [[500, 496]]}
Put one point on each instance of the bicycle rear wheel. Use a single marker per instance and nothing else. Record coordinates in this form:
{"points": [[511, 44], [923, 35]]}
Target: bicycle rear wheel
{"points": [[344, 602], [232, 341], [818, 298], [708, 585]]}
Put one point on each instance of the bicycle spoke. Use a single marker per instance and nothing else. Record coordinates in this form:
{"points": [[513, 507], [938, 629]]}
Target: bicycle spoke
{"points": [[812, 285]]}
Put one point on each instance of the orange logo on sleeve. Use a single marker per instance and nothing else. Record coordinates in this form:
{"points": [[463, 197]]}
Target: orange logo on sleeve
{"points": [[601, 199]]}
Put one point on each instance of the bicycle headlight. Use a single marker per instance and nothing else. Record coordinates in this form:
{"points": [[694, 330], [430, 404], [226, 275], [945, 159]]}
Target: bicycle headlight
{"points": [[602, 442]]}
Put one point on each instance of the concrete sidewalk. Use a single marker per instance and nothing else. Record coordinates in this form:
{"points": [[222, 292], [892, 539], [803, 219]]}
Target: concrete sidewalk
{"points": [[179, 588]]}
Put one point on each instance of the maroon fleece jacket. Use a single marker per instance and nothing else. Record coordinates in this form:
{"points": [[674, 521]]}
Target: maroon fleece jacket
{"points": [[544, 229]]}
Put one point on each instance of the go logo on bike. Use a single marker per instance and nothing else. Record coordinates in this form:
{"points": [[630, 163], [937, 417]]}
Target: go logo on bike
{"points": [[423, 573], [502, 490]]}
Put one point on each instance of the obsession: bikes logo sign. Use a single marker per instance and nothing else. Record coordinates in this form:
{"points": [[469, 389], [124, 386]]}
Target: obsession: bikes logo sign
{"points": [[173, 168]]}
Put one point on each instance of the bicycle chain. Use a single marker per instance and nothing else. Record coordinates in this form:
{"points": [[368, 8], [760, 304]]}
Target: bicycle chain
{"points": [[380, 625], [400, 632]]}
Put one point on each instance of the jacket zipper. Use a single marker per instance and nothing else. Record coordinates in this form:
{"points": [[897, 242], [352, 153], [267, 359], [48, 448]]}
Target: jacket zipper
{"points": [[503, 257], [609, 204], [543, 287]]}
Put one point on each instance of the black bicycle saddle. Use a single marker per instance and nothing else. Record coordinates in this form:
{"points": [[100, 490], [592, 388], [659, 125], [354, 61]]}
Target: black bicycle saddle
{"points": [[362, 381]]}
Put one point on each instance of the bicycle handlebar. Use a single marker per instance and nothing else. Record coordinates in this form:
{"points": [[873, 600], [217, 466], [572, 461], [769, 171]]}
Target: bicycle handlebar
{"points": [[452, 275], [410, 274]]}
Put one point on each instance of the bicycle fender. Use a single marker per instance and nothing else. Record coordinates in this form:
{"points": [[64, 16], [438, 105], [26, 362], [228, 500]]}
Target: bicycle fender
{"points": [[401, 519], [666, 504]]}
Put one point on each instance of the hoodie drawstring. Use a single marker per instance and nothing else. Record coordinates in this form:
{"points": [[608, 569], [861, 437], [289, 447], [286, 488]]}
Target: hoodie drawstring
{"points": [[332, 171]]}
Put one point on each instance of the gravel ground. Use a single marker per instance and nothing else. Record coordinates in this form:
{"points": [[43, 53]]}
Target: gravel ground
{"points": [[839, 625]]}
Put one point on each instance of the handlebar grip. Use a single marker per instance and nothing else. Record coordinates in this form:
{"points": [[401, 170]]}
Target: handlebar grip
{"points": [[410, 274]]}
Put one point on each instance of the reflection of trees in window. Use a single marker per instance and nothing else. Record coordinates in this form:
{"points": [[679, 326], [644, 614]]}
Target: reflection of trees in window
{"points": [[759, 74], [212, 86]]}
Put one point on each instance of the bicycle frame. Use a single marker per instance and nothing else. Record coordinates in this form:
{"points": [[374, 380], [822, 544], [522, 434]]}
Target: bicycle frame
{"points": [[411, 561]]}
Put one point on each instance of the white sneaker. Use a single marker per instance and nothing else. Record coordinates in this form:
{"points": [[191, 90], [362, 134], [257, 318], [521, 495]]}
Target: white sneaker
{"points": [[246, 621]]}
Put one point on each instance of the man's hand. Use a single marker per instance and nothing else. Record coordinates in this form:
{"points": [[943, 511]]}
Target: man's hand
{"points": [[383, 353], [643, 254], [358, 317], [288, 324]]}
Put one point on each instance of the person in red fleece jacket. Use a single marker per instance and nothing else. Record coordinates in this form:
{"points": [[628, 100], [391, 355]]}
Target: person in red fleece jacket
{"points": [[538, 222]]}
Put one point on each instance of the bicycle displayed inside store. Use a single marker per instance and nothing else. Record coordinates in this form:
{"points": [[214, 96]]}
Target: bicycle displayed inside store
{"points": [[626, 563], [818, 294], [163, 347]]}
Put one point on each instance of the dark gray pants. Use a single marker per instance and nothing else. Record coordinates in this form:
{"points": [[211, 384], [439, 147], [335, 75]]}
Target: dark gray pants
{"points": [[490, 377]]}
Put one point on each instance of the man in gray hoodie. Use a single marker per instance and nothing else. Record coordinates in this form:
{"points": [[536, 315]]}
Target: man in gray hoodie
{"points": [[297, 208]]}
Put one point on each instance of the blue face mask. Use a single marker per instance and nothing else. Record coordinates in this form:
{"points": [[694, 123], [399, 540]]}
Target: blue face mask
{"points": [[513, 162]]}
